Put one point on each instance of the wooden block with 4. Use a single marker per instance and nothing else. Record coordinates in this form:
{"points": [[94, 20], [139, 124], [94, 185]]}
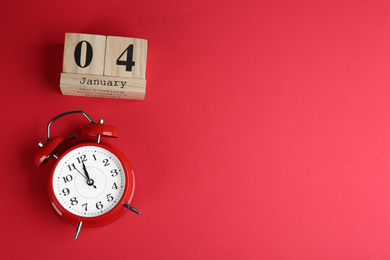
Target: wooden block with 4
{"points": [[100, 66]]}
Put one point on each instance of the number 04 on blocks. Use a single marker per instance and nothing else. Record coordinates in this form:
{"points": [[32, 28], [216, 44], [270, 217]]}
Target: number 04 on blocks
{"points": [[104, 66]]}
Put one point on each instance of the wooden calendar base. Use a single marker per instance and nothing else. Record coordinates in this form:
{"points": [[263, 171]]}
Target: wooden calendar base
{"points": [[102, 86]]}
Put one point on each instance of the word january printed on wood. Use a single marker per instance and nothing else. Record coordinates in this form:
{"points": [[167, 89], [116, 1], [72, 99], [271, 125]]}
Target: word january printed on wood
{"points": [[102, 82]]}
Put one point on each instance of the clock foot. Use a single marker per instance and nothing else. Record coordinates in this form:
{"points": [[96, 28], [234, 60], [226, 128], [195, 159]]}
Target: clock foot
{"points": [[131, 208], [78, 229]]}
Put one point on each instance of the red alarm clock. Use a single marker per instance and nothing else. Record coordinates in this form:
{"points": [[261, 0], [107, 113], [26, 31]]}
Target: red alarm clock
{"points": [[91, 183]]}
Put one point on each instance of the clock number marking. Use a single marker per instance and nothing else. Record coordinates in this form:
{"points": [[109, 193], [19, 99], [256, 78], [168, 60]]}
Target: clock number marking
{"points": [[65, 191], [85, 206], [67, 178], [106, 163], [73, 201], [82, 158], [71, 167], [114, 187], [77, 54], [114, 172], [110, 197], [129, 63], [94, 157], [99, 205]]}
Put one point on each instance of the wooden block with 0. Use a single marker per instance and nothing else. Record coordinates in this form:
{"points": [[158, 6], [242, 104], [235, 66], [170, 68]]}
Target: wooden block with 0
{"points": [[84, 54]]}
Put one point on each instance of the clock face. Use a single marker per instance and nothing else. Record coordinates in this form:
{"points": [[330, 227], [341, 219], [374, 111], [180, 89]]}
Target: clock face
{"points": [[89, 181]]}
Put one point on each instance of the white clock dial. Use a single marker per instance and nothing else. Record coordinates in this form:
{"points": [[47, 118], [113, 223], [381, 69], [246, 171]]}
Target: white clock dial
{"points": [[89, 181]]}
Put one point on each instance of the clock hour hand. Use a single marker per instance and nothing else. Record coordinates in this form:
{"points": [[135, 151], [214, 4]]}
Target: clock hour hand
{"points": [[86, 172], [90, 182]]}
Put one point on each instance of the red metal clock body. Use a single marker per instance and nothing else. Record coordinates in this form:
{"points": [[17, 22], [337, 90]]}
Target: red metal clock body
{"points": [[91, 183], [59, 201]]}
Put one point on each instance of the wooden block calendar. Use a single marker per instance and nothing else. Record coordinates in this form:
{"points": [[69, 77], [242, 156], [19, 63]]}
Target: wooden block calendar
{"points": [[104, 66]]}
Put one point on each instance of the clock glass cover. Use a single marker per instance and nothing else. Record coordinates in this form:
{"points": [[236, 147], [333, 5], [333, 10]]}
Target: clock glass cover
{"points": [[89, 181]]}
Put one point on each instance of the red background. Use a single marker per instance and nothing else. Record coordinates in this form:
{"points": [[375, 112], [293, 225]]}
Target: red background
{"points": [[264, 133]]}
